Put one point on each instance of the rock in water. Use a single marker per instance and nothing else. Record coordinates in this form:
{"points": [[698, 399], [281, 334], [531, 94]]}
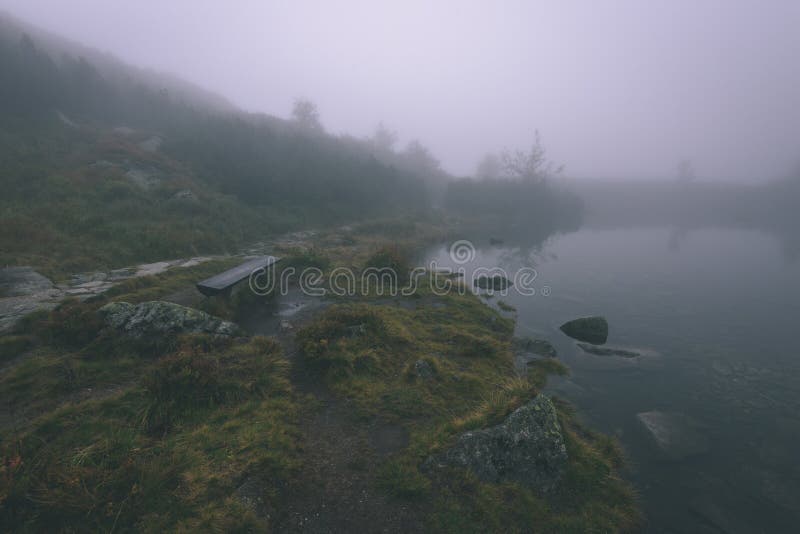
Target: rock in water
{"points": [[592, 330], [608, 351], [158, 318], [527, 447], [677, 435]]}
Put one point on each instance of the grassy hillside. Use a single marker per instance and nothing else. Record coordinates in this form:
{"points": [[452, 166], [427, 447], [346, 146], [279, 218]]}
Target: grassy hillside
{"points": [[102, 165]]}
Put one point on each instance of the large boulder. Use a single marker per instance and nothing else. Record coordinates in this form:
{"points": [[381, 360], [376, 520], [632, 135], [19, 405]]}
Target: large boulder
{"points": [[159, 318], [527, 448], [589, 329]]}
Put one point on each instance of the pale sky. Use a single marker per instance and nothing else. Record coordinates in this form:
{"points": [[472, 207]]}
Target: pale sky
{"points": [[621, 89]]}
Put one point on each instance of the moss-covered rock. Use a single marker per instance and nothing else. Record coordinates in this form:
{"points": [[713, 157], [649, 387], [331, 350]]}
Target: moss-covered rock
{"points": [[527, 448], [159, 318]]}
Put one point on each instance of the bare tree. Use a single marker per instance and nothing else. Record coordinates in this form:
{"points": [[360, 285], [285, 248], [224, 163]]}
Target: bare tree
{"points": [[532, 165]]}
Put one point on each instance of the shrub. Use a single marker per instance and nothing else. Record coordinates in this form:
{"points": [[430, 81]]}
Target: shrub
{"points": [[390, 257]]}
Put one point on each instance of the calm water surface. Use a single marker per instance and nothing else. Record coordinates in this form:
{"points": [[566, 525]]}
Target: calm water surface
{"points": [[716, 314]]}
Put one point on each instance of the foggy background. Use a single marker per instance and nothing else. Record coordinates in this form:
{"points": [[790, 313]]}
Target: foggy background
{"points": [[622, 89]]}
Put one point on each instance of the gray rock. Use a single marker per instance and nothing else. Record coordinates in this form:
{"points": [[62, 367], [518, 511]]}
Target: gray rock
{"points": [[592, 330], [527, 447], [608, 351], [159, 318], [24, 291], [22, 281], [676, 435]]}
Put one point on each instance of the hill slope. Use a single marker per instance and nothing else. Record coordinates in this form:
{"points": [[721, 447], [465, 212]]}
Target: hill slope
{"points": [[103, 164]]}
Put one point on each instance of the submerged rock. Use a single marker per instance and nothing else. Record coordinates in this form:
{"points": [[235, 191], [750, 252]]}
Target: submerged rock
{"points": [[497, 282], [608, 351], [158, 318], [676, 435], [592, 330], [527, 447]]}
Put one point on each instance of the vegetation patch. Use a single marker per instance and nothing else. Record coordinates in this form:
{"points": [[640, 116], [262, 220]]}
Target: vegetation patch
{"points": [[130, 435]]}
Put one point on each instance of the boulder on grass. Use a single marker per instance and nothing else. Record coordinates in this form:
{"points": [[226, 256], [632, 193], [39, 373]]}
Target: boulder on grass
{"points": [[160, 318], [528, 448]]}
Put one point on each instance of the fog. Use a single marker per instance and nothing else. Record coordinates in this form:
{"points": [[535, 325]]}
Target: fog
{"points": [[623, 90]]}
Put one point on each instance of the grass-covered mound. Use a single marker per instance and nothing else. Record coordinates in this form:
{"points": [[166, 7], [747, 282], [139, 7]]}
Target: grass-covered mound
{"points": [[439, 366], [104, 433]]}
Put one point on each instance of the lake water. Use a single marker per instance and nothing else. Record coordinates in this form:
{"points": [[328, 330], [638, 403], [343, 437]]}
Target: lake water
{"points": [[715, 314]]}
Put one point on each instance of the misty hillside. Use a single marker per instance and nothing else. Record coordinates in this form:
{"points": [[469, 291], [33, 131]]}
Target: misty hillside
{"points": [[104, 164]]}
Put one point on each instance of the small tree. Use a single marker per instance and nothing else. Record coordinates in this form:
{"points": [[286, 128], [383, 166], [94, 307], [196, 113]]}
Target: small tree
{"points": [[306, 115], [532, 165]]}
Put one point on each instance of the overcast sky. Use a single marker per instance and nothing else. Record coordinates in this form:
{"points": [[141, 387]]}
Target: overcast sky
{"points": [[617, 88]]}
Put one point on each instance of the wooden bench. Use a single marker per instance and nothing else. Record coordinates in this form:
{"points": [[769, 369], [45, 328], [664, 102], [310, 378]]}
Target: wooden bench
{"points": [[223, 282]]}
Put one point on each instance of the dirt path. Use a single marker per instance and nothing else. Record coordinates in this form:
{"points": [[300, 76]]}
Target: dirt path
{"points": [[336, 488]]}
